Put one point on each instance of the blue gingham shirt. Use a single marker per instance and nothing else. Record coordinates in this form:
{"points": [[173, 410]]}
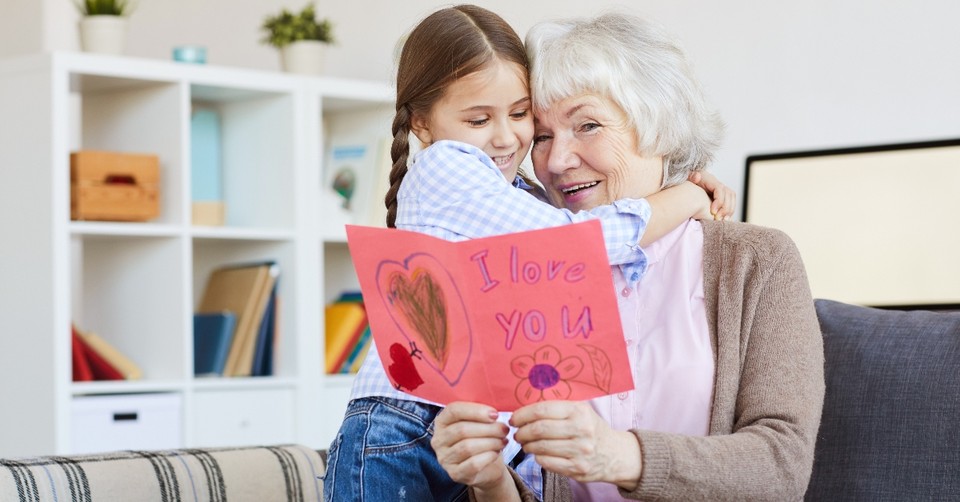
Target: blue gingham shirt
{"points": [[454, 191]]}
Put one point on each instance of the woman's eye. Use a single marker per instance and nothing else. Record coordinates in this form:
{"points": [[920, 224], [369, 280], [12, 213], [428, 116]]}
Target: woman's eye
{"points": [[589, 126], [540, 138]]}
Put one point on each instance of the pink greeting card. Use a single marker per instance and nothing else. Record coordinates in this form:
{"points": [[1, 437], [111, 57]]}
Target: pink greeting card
{"points": [[506, 321]]}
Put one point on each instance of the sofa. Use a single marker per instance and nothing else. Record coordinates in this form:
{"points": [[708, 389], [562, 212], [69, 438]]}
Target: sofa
{"points": [[890, 428], [290, 473], [890, 431]]}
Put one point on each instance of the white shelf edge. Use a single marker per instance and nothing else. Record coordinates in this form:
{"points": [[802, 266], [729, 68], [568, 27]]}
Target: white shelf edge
{"points": [[339, 380], [125, 387], [241, 383], [241, 233], [124, 229]]}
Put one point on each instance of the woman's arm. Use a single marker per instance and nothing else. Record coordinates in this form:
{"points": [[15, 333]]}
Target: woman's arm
{"points": [[769, 393], [570, 439], [769, 389]]}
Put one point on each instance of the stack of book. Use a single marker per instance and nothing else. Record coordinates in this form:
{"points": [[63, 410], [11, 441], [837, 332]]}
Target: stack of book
{"points": [[95, 359], [348, 336], [235, 326]]}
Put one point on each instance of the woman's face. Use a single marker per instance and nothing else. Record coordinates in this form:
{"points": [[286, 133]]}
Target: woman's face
{"points": [[585, 155], [489, 109]]}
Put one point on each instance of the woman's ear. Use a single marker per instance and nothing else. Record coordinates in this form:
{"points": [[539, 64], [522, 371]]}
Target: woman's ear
{"points": [[420, 126]]}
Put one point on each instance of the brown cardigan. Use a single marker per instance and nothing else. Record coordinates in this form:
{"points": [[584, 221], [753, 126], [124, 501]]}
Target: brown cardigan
{"points": [[769, 384]]}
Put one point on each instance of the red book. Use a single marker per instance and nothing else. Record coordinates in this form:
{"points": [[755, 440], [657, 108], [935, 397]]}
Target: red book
{"points": [[81, 367], [101, 369]]}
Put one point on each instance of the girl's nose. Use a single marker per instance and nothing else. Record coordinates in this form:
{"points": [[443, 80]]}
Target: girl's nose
{"points": [[504, 134]]}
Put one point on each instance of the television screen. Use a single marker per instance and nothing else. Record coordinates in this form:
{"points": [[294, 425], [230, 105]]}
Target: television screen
{"points": [[876, 226]]}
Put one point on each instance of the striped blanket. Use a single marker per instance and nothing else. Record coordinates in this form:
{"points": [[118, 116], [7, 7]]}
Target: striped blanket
{"points": [[289, 473]]}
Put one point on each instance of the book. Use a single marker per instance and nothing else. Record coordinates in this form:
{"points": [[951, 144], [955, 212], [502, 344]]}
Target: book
{"points": [[376, 209], [212, 334], [356, 351], [100, 368], [238, 288], [81, 366], [347, 190], [245, 362], [362, 355], [206, 176], [128, 369], [348, 348], [345, 322], [344, 174], [263, 352]]}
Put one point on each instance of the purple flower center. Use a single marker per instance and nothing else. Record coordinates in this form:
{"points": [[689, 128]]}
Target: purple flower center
{"points": [[543, 376]]}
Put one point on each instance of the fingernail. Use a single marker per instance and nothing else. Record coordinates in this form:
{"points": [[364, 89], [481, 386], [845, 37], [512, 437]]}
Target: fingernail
{"points": [[493, 414]]}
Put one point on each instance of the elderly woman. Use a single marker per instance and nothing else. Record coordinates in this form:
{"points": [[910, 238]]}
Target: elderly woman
{"points": [[725, 347]]}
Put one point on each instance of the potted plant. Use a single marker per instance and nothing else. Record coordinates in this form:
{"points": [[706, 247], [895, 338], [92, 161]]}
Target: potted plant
{"points": [[103, 27], [300, 37]]}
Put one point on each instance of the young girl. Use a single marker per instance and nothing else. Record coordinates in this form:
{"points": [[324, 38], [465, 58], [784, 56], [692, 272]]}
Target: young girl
{"points": [[462, 90]]}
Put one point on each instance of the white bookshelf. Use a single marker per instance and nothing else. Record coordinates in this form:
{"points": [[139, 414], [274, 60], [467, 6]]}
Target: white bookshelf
{"points": [[136, 284]]}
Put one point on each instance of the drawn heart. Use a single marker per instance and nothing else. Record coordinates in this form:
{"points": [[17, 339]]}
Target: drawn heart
{"points": [[421, 301], [426, 306]]}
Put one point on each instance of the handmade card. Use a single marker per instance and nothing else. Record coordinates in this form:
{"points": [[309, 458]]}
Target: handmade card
{"points": [[507, 320]]}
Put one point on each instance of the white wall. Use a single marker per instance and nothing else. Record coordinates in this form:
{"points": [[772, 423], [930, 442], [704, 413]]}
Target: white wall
{"points": [[19, 27], [785, 75]]}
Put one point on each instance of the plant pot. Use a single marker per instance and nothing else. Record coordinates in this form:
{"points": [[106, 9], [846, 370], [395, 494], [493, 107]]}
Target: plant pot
{"points": [[303, 56], [103, 34]]}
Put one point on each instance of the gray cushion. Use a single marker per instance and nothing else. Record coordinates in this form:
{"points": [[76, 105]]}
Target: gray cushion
{"points": [[891, 417]]}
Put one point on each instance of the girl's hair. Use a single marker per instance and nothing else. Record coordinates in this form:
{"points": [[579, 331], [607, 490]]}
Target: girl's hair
{"points": [[642, 69], [447, 45]]}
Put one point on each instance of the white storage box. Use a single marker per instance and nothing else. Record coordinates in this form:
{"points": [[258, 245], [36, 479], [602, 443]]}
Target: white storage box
{"points": [[126, 422], [244, 417]]}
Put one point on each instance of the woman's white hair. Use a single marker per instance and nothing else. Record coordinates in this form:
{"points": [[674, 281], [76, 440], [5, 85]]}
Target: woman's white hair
{"points": [[637, 65]]}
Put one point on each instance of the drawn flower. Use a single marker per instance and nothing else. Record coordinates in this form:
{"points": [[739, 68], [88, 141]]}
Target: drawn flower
{"points": [[544, 375]]}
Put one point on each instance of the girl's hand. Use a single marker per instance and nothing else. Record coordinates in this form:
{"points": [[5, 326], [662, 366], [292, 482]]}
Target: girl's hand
{"points": [[570, 439], [724, 198], [467, 439]]}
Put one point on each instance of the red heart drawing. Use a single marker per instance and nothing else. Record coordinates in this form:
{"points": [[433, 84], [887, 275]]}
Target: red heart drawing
{"points": [[426, 306], [402, 369]]}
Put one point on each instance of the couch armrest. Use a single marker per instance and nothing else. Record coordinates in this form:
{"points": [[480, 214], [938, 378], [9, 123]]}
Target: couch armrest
{"points": [[255, 473]]}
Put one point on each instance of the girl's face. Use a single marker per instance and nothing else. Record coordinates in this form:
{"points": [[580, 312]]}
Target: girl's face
{"points": [[489, 109], [586, 155]]}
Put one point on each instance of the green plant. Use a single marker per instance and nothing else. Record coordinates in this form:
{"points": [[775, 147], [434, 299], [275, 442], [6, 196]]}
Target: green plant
{"points": [[288, 27], [104, 7]]}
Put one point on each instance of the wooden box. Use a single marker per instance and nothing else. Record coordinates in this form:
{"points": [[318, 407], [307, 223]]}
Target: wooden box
{"points": [[114, 186]]}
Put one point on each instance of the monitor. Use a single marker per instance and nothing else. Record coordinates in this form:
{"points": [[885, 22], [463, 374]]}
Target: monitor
{"points": [[876, 226]]}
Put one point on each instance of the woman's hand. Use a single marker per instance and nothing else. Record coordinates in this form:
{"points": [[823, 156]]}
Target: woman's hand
{"points": [[570, 439], [724, 198], [467, 439]]}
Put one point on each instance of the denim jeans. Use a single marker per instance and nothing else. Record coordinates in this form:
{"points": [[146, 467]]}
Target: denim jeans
{"points": [[382, 453]]}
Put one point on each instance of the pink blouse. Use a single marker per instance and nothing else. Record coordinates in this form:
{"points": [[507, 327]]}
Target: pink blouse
{"points": [[668, 342]]}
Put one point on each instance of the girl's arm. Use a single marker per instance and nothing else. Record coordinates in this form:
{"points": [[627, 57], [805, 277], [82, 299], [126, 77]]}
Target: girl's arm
{"points": [[690, 199], [456, 187], [672, 206]]}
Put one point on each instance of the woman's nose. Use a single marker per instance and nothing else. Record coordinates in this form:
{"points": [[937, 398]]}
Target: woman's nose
{"points": [[561, 156]]}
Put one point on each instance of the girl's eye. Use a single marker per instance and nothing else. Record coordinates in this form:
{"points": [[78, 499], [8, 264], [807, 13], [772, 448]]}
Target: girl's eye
{"points": [[478, 122], [522, 114]]}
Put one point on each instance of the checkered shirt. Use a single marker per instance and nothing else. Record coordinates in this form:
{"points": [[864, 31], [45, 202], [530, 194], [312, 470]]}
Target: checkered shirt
{"points": [[455, 191]]}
